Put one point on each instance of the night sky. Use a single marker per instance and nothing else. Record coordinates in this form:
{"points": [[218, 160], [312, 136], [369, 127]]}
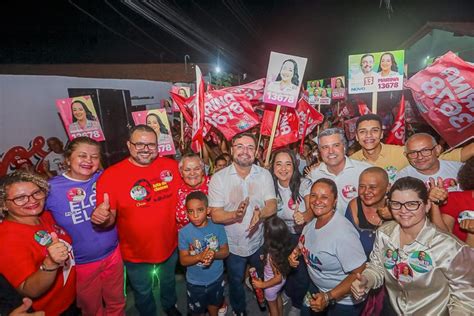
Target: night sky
{"points": [[240, 33]]}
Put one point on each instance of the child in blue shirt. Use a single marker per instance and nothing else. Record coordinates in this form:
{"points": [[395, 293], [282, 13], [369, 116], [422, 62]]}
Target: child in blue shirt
{"points": [[202, 248]]}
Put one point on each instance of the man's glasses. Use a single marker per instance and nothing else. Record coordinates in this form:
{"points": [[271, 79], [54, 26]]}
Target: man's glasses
{"points": [[22, 200], [140, 146], [426, 152], [409, 205]]}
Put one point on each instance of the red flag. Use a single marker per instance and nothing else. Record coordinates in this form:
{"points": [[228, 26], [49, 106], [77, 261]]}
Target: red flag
{"points": [[363, 108], [350, 128], [253, 90], [198, 113], [287, 128], [397, 133], [346, 110], [444, 96], [184, 106], [314, 117]]}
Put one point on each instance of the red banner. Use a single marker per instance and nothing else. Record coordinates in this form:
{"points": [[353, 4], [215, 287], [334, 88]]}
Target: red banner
{"points": [[313, 116], [253, 90], [185, 106], [230, 113], [350, 128], [363, 108], [397, 133], [445, 98], [287, 128], [198, 113]]}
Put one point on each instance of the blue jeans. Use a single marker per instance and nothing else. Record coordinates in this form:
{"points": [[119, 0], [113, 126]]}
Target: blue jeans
{"points": [[235, 273], [331, 310], [141, 281], [297, 281]]}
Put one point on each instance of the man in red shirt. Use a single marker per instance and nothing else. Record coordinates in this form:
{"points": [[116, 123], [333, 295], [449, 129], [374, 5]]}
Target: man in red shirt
{"points": [[138, 194]]}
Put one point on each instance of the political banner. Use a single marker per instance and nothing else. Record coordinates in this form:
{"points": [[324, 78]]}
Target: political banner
{"points": [[319, 91], [375, 72], [284, 78], [308, 116], [338, 87], [444, 96], [287, 131], [80, 118], [396, 135], [252, 90], [158, 121]]}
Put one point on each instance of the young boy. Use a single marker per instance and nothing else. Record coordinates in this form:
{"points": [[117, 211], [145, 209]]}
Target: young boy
{"points": [[202, 246]]}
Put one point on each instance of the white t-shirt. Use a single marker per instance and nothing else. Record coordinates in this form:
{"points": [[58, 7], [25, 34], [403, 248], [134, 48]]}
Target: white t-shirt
{"points": [[286, 206], [56, 162], [347, 181], [331, 253], [448, 171], [227, 189]]}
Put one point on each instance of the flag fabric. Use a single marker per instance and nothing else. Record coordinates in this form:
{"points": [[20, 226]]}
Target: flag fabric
{"points": [[444, 96], [198, 113], [396, 135], [287, 128], [363, 108], [306, 112]]}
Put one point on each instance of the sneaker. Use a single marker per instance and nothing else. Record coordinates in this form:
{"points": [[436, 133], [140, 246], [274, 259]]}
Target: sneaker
{"points": [[222, 310], [173, 311]]}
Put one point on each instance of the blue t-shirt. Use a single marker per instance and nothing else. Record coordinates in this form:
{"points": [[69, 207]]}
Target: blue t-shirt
{"points": [[212, 235], [71, 202]]}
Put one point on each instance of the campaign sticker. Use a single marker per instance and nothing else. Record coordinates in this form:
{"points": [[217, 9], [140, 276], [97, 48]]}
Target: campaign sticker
{"points": [[390, 258], [42, 237], [349, 191], [420, 261], [166, 176], [450, 184], [76, 195], [403, 272], [392, 172], [467, 214], [138, 193], [292, 205], [94, 185]]}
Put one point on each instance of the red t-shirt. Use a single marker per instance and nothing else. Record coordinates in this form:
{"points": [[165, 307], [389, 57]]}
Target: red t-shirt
{"points": [[24, 248], [145, 200], [458, 202], [181, 214]]}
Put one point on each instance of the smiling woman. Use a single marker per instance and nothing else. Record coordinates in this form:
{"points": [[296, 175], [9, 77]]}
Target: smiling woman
{"points": [[40, 263], [71, 201]]}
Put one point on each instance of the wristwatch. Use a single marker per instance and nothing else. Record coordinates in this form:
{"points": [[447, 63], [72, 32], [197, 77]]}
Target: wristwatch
{"points": [[46, 269], [331, 300]]}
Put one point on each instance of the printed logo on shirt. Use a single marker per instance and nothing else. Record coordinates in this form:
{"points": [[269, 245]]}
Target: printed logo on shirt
{"points": [[390, 258], [94, 185], [166, 176], [76, 195], [291, 204], [403, 272], [420, 261], [466, 214], [42, 237], [349, 191], [392, 173]]}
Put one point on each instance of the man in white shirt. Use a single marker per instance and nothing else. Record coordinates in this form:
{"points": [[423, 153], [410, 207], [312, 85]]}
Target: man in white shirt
{"points": [[336, 166], [240, 195], [53, 163]]}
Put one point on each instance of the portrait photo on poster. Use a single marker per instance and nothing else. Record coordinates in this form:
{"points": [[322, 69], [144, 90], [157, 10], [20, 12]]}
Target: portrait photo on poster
{"points": [[158, 121], [284, 79], [80, 118], [375, 72]]}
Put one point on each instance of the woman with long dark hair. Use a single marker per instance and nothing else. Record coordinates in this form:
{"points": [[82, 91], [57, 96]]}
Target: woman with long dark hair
{"points": [[82, 118], [287, 79]]}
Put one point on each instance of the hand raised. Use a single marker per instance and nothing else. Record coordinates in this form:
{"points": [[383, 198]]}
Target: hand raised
{"points": [[293, 258], [242, 209], [102, 213], [57, 250]]}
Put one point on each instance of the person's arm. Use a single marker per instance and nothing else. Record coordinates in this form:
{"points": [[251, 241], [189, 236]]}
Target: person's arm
{"points": [[460, 275], [220, 216], [437, 195], [258, 214], [467, 152], [187, 259], [222, 253], [41, 281], [22, 310], [48, 172], [277, 279], [103, 215], [467, 225]]}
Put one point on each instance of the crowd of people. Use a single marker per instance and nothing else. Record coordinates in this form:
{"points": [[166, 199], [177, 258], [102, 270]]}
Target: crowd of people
{"points": [[386, 230]]}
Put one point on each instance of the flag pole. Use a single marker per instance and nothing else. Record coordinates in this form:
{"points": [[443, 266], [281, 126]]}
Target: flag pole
{"points": [[181, 126], [374, 102], [275, 124]]}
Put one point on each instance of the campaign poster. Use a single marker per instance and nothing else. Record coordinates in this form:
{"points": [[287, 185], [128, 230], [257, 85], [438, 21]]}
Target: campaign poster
{"points": [[376, 72], [80, 118], [284, 78], [338, 86], [158, 121], [185, 92], [319, 91]]}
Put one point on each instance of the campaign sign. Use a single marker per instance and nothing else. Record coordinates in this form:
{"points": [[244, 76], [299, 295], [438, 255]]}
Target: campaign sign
{"points": [[158, 121], [284, 78], [372, 72], [182, 91], [338, 87], [80, 118]]}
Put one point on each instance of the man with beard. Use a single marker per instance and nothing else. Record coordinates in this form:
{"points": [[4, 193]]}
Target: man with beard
{"points": [[336, 166], [240, 196], [139, 195]]}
